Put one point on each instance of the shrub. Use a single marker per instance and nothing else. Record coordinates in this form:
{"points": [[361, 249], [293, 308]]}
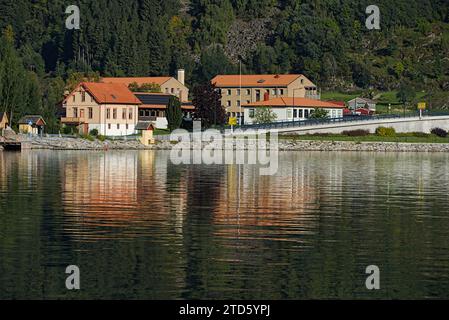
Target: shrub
{"points": [[94, 132], [439, 132], [385, 132], [87, 137], [356, 133], [101, 138], [67, 130]]}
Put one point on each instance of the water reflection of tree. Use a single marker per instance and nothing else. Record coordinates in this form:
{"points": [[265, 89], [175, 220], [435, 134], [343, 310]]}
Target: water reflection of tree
{"points": [[205, 184]]}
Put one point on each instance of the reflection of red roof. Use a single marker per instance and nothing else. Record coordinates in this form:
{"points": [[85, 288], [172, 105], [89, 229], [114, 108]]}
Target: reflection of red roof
{"points": [[293, 102]]}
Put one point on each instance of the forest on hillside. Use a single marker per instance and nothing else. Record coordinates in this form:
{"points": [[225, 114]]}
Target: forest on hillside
{"points": [[325, 39]]}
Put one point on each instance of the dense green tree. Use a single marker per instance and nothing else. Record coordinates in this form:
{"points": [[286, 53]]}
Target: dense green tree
{"points": [[208, 108], [174, 113]]}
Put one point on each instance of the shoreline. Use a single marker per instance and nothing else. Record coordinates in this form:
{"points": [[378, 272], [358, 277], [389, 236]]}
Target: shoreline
{"points": [[71, 144]]}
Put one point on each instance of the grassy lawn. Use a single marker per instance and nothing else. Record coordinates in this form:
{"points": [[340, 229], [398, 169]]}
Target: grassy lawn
{"points": [[161, 132], [405, 138]]}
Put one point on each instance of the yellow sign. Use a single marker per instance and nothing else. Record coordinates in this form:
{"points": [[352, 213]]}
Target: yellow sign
{"points": [[422, 106], [232, 121]]}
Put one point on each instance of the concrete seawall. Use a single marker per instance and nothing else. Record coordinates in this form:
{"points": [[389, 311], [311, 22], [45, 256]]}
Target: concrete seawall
{"points": [[283, 145], [404, 125]]}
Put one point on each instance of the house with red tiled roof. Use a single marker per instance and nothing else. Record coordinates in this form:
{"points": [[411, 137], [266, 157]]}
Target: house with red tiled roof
{"points": [[111, 108], [168, 85], [292, 108], [239, 90]]}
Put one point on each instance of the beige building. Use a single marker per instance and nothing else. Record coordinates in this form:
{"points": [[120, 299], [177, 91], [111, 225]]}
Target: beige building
{"points": [[32, 125], [4, 122], [169, 85], [241, 90], [111, 108]]}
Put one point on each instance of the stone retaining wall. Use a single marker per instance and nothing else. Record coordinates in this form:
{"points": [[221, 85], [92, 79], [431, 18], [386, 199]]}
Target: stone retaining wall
{"points": [[284, 145]]}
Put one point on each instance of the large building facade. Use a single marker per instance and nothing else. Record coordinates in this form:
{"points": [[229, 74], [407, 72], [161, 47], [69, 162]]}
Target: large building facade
{"points": [[168, 85], [110, 108], [239, 90]]}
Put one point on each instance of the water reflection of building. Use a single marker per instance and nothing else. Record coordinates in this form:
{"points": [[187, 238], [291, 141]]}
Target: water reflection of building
{"points": [[120, 193], [280, 205]]}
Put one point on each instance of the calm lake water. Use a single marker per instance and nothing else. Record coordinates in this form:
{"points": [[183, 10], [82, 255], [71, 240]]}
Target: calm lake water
{"points": [[139, 227]]}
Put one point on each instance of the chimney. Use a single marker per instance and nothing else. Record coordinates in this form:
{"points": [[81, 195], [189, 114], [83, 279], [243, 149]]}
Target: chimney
{"points": [[266, 96], [181, 76]]}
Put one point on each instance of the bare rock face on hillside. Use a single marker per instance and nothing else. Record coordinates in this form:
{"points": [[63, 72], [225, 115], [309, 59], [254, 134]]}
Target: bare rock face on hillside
{"points": [[244, 36]]}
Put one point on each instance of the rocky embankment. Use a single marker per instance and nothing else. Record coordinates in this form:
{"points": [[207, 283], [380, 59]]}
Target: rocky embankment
{"points": [[56, 143]]}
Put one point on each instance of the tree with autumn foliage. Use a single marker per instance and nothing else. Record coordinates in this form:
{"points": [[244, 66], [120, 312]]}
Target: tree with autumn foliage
{"points": [[208, 108]]}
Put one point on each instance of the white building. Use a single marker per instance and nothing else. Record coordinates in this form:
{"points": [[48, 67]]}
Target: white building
{"points": [[292, 109]]}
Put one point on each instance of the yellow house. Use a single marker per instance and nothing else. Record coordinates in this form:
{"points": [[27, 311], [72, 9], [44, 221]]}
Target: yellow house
{"points": [[147, 129], [237, 90], [4, 122], [32, 125]]}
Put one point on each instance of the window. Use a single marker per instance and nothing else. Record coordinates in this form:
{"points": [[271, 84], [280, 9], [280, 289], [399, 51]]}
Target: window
{"points": [[118, 126], [83, 96], [302, 81], [109, 126], [75, 112], [130, 114], [273, 92], [91, 113], [142, 113], [238, 103], [238, 92], [114, 113], [127, 126], [281, 91], [74, 97], [306, 113], [167, 90], [172, 90], [108, 113], [295, 113], [124, 114], [229, 103], [289, 113], [300, 113], [334, 114], [248, 102], [257, 95], [248, 92], [229, 92], [251, 113]]}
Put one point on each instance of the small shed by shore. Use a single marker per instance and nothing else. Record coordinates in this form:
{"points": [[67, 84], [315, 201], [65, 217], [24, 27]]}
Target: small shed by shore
{"points": [[32, 124], [147, 129]]}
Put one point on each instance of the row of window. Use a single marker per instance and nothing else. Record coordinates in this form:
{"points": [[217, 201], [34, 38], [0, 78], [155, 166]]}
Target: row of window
{"points": [[114, 114], [235, 114], [152, 113], [118, 126], [90, 113], [247, 92]]}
